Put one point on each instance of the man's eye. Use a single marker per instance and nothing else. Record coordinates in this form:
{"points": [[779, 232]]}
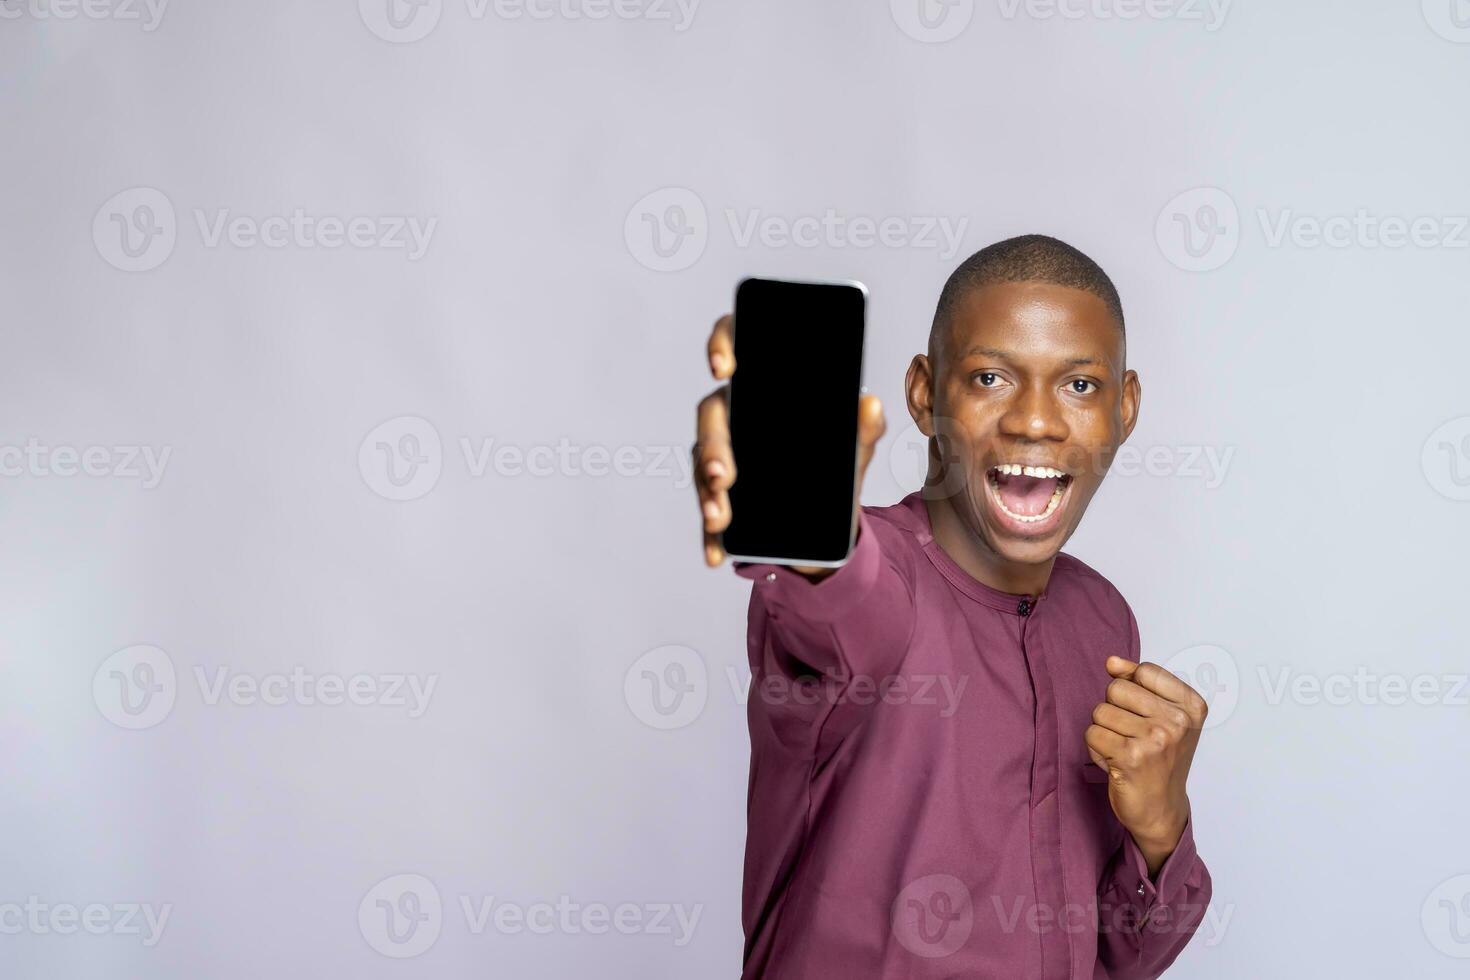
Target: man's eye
{"points": [[987, 379], [1082, 386]]}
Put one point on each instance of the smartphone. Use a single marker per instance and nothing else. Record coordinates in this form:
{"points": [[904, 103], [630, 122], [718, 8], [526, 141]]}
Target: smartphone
{"points": [[794, 421]]}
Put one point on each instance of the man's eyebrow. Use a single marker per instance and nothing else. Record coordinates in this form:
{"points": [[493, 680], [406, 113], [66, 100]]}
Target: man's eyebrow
{"points": [[1006, 355]]}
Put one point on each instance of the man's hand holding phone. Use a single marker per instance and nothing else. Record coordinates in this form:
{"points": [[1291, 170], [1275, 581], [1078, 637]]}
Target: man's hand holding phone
{"points": [[714, 459]]}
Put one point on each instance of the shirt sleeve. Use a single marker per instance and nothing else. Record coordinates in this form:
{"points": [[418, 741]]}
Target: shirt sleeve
{"points": [[1143, 923], [850, 628]]}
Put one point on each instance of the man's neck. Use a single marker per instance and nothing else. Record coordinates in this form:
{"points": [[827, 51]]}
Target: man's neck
{"points": [[967, 550]]}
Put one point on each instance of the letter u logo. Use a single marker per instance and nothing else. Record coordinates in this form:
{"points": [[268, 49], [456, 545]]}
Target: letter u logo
{"points": [[940, 12], [143, 680], [144, 223], [409, 910], [1458, 454], [406, 450], [1459, 918], [1207, 220], [675, 680], [676, 221]]}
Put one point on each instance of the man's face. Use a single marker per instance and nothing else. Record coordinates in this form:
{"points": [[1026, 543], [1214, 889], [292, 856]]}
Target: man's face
{"points": [[1030, 399]]}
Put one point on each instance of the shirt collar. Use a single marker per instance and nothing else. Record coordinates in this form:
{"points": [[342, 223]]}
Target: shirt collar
{"points": [[996, 599]]}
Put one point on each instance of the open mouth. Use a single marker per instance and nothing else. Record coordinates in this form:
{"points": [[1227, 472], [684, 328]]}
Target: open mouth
{"points": [[1028, 496]]}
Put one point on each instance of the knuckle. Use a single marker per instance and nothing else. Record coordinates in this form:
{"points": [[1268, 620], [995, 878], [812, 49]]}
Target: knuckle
{"points": [[1199, 708]]}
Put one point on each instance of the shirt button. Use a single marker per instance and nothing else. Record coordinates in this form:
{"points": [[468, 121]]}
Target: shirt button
{"points": [[770, 576], [1140, 889]]}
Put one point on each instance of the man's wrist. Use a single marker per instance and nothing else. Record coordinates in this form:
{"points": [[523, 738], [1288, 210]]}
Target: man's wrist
{"points": [[1159, 841]]}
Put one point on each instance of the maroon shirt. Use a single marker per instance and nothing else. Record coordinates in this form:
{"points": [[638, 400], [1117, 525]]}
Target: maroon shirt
{"points": [[922, 804]]}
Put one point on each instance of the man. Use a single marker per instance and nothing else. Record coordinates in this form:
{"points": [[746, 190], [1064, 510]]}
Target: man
{"points": [[1033, 823]]}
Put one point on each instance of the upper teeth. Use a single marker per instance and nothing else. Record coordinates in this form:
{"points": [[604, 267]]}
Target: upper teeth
{"points": [[1015, 469]]}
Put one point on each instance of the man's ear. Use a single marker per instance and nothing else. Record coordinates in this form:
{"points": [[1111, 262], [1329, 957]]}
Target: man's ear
{"points": [[918, 387], [1132, 395]]}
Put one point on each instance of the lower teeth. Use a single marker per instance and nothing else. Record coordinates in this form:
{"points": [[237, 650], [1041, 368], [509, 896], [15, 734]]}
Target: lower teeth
{"points": [[1051, 505]]}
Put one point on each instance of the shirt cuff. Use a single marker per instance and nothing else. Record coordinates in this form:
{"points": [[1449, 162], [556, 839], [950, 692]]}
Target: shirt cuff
{"points": [[1131, 876], [826, 600]]}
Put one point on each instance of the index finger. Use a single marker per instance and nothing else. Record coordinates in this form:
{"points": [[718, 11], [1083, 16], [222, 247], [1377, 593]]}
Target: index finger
{"points": [[713, 459], [721, 348], [1152, 677]]}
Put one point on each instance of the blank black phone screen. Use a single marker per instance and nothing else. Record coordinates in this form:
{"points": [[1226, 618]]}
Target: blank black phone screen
{"points": [[793, 419]]}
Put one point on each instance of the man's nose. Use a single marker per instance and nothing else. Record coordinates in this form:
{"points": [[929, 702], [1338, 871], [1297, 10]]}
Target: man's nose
{"points": [[1034, 414]]}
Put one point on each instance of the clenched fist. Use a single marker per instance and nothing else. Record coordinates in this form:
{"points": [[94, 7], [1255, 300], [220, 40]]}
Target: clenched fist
{"points": [[1144, 735]]}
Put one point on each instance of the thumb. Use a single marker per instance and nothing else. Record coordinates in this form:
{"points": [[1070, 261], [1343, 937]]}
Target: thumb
{"points": [[1121, 667], [870, 429]]}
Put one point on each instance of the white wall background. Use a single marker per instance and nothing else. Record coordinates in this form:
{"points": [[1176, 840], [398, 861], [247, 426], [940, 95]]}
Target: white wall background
{"points": [[1329, 380]]}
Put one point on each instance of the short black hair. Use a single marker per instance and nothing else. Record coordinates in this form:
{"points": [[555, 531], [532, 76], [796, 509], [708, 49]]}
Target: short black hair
{"points": [[1027, 258]]}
